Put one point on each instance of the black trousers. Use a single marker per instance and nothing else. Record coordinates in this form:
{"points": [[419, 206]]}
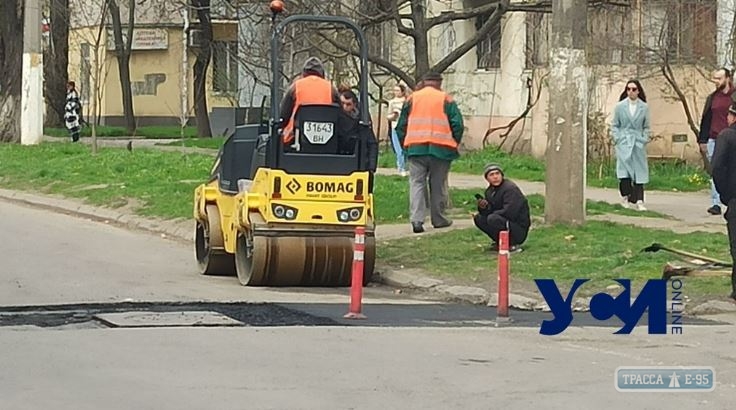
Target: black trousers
{"points": [[493, 224], [731, 226], [635, 192]]}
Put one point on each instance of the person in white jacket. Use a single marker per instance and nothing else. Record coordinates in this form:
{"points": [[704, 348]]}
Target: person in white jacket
{"points": [[394, 109]]}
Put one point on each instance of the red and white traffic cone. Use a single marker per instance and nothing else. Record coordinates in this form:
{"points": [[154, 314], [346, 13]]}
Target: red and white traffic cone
{"points": [[502, 310], [356, 285]]}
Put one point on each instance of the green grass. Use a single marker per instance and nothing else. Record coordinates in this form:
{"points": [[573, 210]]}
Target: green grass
{"points": [[391, 197], [153, 132], [163, 182], [664, 176], [213, 143], [600, 251]]}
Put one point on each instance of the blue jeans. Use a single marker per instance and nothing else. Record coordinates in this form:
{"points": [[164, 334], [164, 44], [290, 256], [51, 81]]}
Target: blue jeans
{"points": [[714, 197], [400, 160]]}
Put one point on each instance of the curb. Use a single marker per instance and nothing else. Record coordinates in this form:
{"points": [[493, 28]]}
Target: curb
{"points": [[412, 279], [175, 229]]}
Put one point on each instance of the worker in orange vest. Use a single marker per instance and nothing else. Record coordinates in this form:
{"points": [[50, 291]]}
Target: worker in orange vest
{"points": [[430, 128], [310, 88]]}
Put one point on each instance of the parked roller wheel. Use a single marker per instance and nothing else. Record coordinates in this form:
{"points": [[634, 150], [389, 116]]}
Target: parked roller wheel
{"points": [[250, 259], [209, 246]]}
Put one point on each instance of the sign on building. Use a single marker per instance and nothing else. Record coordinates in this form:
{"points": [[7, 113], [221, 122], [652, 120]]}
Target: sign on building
{"points": [[143, 39]]}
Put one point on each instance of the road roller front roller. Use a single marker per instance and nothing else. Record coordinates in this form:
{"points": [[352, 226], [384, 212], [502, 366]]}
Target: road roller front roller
{"points": [[279, 214]]}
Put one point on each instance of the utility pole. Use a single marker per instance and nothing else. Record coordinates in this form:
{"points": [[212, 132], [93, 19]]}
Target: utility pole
{"points": [[31, 115], [568, 108]]}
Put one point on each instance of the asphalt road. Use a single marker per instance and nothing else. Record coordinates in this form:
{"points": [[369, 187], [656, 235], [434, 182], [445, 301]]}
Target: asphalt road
{"points": [[292, 350]]}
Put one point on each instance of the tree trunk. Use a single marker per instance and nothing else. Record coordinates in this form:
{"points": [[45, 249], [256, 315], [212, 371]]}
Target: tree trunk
{"points": [[56, 63], [568, 93], [122, 51], [11, 64], [204, 54], [421, 44]]}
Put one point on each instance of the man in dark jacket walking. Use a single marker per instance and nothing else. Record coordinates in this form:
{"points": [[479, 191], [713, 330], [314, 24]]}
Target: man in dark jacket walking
{"points": [[504, 207], [714, 121], [724, 176]]}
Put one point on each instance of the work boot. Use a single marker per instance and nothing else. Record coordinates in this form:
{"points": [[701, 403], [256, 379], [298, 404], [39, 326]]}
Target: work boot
{"points": [[417, 227], [714, 210]]}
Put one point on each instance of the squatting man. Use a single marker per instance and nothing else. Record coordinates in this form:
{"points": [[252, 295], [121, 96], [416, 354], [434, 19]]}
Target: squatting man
{"points": [[503, 208]]}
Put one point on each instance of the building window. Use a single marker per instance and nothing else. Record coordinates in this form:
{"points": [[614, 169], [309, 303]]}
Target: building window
{"points": [[684, 31], [85, 72], [610, 34], [488, 50], [225, 66], [446, 41], [537, 39]]}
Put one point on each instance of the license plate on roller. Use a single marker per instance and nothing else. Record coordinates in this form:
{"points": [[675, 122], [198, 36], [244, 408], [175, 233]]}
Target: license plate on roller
{"points": [[318, 132]]}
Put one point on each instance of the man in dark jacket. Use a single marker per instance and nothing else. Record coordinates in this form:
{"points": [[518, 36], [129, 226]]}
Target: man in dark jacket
{"points": [[724, 176], [714, 121], [504, 208], [350, 128]]}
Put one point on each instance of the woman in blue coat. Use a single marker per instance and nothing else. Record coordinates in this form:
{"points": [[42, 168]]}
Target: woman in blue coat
{"points": [[630, 129]]}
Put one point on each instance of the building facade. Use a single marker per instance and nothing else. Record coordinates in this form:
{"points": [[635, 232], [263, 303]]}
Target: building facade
{"points": [[507, 70], [165, 37]]}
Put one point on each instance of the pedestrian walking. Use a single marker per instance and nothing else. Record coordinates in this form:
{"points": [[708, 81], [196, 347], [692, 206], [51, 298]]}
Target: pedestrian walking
{"points": [[713, 122], [394, 110], [631, 130], [72, 111], [723, 168], [430, 128]]}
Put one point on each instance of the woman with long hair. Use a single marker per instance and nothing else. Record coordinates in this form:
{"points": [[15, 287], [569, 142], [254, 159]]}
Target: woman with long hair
{"points": [[394, 110], [631, 131]]}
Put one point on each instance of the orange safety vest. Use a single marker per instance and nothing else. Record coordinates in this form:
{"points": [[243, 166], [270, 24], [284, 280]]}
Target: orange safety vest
{"points": [[428, 123], [307, 90]]}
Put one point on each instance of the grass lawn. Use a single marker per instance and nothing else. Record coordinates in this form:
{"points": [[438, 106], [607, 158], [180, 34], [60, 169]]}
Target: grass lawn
{"points": [[600, 251], [153, 132], [663, 176], [163, 181]]}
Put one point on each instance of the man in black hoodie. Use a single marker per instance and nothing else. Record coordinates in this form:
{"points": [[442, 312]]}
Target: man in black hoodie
{"points": [[724, 177], [504, 208]]}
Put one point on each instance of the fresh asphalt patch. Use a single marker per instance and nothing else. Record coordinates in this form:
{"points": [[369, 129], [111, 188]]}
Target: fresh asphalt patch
{"points": [[241, 314]]}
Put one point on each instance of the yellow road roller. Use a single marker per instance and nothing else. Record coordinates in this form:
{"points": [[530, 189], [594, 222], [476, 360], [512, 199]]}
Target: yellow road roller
{"points": [[279, 215]]}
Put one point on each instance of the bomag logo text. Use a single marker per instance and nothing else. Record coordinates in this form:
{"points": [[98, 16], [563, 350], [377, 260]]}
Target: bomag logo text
{"points": [[330, 187]]}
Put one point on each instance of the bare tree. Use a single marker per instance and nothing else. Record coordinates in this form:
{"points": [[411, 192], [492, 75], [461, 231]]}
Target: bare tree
{"points": [[56, 62], [122, 51], [11, 62], [94, 68]]}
